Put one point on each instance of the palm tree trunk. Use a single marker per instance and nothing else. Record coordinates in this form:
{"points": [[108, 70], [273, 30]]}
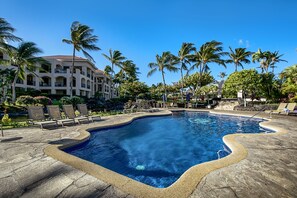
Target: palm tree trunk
{"points": [[235, 67], [71, 71], [165, 91], [13, 93], [111, 85], [182, 84]]}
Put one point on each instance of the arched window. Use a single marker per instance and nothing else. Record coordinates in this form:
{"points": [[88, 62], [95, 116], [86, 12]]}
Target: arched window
{"points": [[1, 56]]}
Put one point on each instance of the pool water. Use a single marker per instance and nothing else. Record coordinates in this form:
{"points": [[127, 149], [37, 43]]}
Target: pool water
{"points": [[158, 150]]}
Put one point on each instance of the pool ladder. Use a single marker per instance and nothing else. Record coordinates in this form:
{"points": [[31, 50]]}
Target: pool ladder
{"points": [[258, 112], [225, 150]]}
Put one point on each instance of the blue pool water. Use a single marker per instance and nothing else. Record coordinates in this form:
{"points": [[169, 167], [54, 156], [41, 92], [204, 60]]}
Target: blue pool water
{"points": [[158, 150]]}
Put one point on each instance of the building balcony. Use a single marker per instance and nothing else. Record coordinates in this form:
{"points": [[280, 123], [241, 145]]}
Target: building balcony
{"points": [[31, 83], [60, 84], [63, 71], [42, 84]]}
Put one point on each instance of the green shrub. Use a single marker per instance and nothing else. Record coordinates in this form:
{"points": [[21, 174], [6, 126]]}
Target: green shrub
{"points": [[65, 100], [6, 120], [25, 100], [43, 100], [75, 100], [294, 99]]}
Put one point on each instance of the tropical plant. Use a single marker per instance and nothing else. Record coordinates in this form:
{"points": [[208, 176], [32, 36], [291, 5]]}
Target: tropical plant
{"points": [[108, 70], [184, 55], [133, 89], [239, 56], [25, 100], [6, 79], [267, 59], [247, 81], [209, 52], [43, 100], [116, 59], [82, 39], [6, 34], [22, 58], [289, 78], [164, 62], [192, 81]]}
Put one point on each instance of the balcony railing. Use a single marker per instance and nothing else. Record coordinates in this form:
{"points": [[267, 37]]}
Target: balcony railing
{"points": [[61, 71], [83, 85], [31, 83], [42, 84], [19, 81], [60, 84]]}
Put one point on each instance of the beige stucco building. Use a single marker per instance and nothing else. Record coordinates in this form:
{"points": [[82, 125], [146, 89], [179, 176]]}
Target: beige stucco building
{"points": [[55, 78]]}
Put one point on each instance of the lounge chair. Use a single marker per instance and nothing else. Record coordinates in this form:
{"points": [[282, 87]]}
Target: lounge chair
{"points": [[69, 112], [289, 109], [280, 108], [55, 114], [83, 110], [36, 116]]}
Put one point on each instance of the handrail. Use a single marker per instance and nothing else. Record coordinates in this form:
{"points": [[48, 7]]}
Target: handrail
{"points": [[258, 112]]}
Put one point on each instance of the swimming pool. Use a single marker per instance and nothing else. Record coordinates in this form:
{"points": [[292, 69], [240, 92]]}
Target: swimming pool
{"points": [[158, 150]]}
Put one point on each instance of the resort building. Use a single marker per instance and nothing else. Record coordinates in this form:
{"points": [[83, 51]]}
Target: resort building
{"points": [[55, 77]]}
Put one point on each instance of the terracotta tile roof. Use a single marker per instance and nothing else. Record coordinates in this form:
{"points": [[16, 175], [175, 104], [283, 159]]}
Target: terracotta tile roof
{"points": [[65, 57]]}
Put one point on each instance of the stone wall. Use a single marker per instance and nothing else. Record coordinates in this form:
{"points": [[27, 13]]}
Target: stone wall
{"points": [[227, 105]]}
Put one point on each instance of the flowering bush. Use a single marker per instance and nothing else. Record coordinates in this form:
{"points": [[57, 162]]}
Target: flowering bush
{"points": [[43, 100], [6, 120], [25, 100]]}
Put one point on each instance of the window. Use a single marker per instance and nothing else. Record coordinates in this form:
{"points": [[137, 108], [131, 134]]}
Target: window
{"points": [[1, 56]]}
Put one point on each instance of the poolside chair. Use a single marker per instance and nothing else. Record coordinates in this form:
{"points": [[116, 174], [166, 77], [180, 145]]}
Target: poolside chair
{"points": [[280, 108], [55, 114], [83, 110], [36, 116], [69, 112], [289, 109]]}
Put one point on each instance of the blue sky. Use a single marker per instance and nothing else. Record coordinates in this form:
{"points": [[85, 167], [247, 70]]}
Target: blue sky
{"points": [[140, 29]]}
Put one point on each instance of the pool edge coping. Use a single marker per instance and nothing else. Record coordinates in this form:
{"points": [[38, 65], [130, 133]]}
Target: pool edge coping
{"points": [[183, 187]]}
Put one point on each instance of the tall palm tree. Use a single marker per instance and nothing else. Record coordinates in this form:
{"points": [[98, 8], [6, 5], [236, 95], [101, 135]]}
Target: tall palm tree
{"points": [[130, 70], [116, 58], [239, 56], [166, 61], [82, 39], [6, 33], [267, 59], [23, 58], [209, 52], [184, 55]]}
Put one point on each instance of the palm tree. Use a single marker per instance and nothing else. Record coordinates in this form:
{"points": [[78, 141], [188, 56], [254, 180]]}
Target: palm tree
{"points": [[130, 70], [209, 52], [166, 61], [82, 39], [267, 59], [23, 58], [184, 55], [116, 58], [239, 56], [6, 33]]}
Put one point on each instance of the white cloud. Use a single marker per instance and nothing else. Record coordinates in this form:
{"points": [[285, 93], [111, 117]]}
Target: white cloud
{"points": [[240, 42], [245, 43]]}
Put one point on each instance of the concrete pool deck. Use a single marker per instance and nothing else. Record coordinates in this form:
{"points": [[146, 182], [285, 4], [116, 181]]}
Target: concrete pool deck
{"points": [[269, 169]]}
